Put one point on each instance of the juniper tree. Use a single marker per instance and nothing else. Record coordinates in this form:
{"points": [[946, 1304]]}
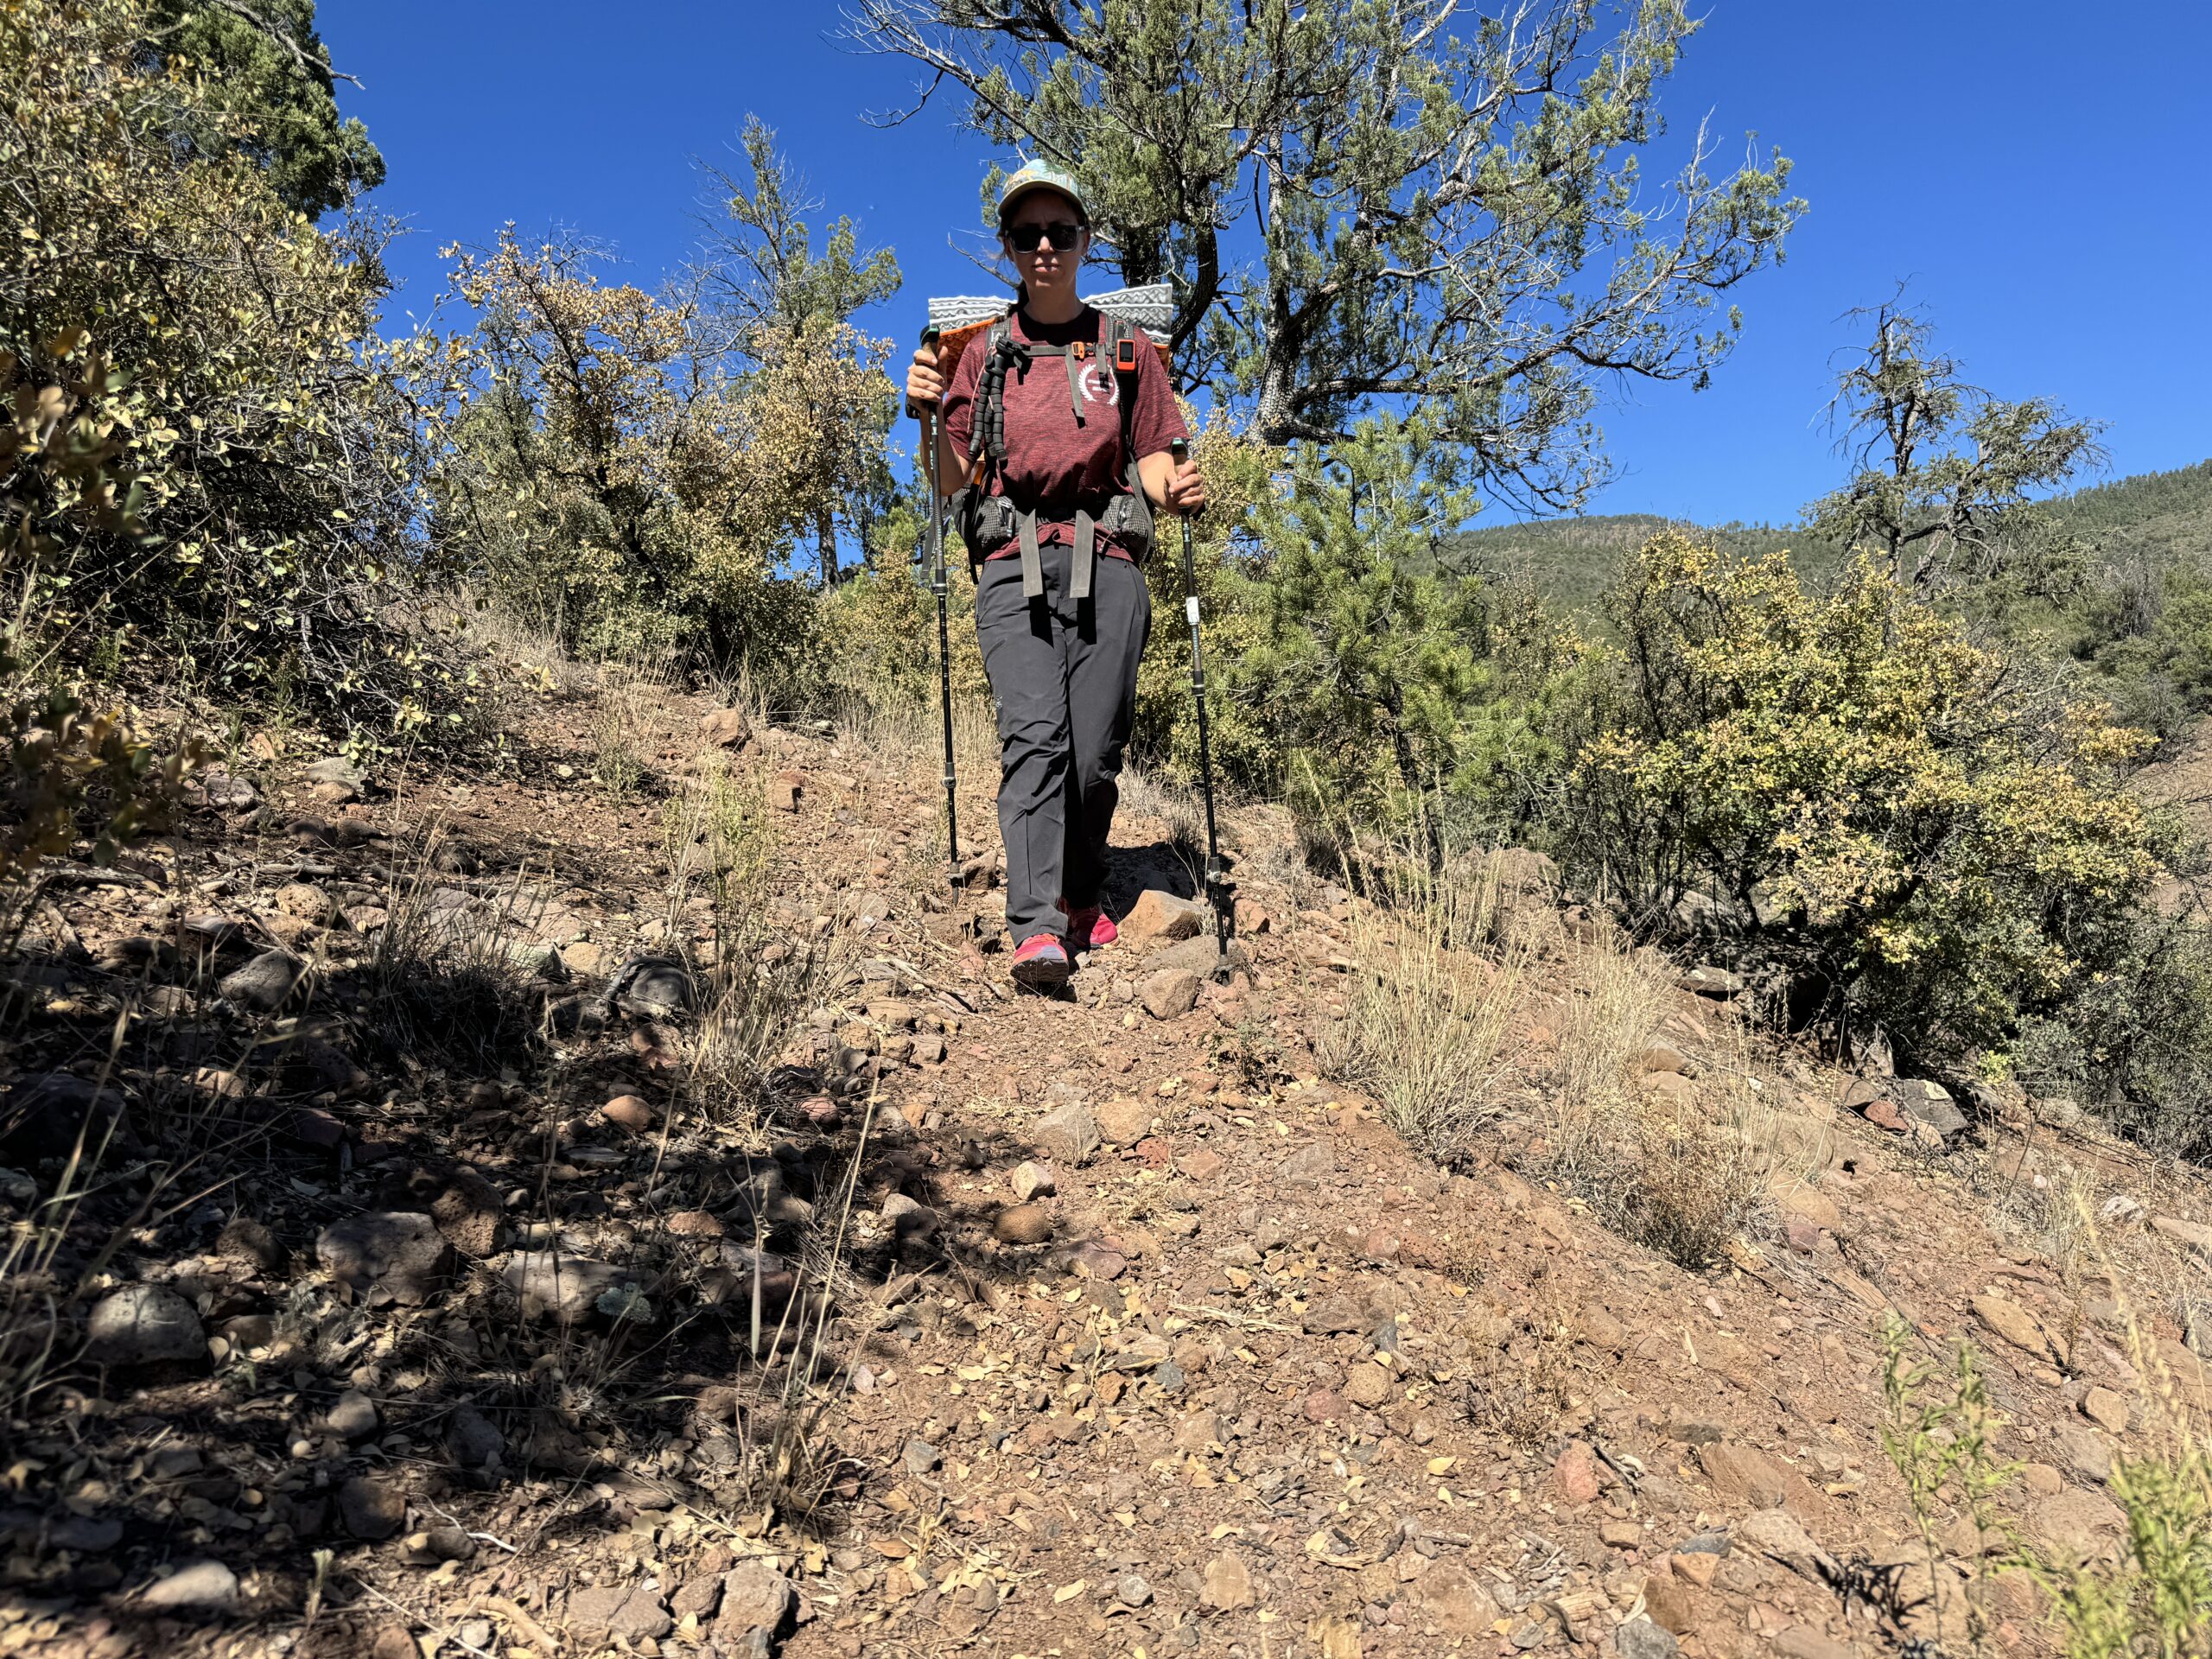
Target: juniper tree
{"points": [[777, 296], [1367, 660], [269, 93], [1945, 477], [1367, 202]]}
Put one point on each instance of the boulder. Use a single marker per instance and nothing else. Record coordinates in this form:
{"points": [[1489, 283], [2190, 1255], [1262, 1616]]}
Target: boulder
{"points": [[1067, 1135], [143, 1324], [2078, 1526], [1032, 1179], [371, 1509], [1124, 1120], [1161, 917], [1458, 1603], [726, 729], [1709, 981], [567, 1287], [354, 1417], [758, 1605], [467, 1210], [1641, 1639], [336, 779], [1574, 1476], [46, 1113], [1807, 1204], [1776, 1535], [266, 983], [629, 1611], [2015, 1324], [1203, 956], [1930, 1103], [1758, 1479], [2108, 1409], [395, 1256], [1227, 1586], [2191, 1235], [1169, 993]]}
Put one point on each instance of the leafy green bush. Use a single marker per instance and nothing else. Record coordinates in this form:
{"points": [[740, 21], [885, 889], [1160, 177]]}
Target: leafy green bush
{"points": [[63, 763], [1906, 820], [2146, 633], [1350, 672], [233, 373], [615, 483]]}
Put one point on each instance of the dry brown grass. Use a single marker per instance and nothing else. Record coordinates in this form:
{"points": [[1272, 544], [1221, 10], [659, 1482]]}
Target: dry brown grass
{"points": [[1428, 1012], [624, 714], [1520, 1388], [719, 843], [1679, 1171]]}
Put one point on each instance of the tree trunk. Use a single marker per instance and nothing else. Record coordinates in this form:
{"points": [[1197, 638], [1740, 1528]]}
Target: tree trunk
{"points": [[825, 539]]}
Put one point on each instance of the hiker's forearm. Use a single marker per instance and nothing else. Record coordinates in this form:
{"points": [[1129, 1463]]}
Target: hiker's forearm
{"points": [[1155, 471], [951, 466]]}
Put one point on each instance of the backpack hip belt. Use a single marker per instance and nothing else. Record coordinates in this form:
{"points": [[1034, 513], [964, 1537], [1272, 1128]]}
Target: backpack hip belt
{"points": [[991, 521]]}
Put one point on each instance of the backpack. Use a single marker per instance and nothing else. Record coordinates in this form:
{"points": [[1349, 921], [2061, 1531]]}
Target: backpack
{"points": [[986, 522]]}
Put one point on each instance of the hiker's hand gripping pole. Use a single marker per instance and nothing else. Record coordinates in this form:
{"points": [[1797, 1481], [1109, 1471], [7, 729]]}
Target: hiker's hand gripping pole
{"points": [[929, 415], [1217, 871]]}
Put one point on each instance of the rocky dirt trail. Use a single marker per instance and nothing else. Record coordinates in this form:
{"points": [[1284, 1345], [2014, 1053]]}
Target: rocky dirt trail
{"points": [[446, 1296]]}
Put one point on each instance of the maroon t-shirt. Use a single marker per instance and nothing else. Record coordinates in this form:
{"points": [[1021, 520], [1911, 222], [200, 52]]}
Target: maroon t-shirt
{"points": [[1050, 462]]}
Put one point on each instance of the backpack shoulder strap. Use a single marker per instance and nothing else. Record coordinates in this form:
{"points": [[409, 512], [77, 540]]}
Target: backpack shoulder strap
{"points": [[998, 350], [1120, 345]]}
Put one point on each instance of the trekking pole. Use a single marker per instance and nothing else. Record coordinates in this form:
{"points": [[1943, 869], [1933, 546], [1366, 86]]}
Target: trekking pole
{"points": [[1217, 872], [930, 418]]}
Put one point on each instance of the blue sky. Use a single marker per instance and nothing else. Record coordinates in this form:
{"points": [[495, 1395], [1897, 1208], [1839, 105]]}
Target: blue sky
{"points": [[2031, 168]]}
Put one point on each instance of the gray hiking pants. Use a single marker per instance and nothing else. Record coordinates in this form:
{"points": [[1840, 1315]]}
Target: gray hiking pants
{"points": [[1063, 674]]}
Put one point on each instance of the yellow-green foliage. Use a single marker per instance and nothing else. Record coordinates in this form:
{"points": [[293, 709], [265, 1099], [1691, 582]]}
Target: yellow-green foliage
{"points": [[1238, 472], [611, 482], [1884, 799], [217, 347], [2154, 1601], [61, 761], [881, 623]]}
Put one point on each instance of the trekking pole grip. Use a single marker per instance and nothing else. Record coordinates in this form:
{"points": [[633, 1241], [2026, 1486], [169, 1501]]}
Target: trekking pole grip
{"points": [[924, 412]]}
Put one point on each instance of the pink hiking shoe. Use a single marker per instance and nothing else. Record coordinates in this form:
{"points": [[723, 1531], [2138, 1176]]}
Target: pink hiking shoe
{"points": [[1040, 963], [1090, 928]]}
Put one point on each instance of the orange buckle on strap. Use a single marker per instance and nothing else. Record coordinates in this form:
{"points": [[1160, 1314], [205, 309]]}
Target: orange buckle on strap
{"points": [[1078, 349]]}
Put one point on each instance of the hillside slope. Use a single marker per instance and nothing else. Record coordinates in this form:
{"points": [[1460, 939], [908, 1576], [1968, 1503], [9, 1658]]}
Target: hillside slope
{"points": [[2160, 516], [1082, 1326]]}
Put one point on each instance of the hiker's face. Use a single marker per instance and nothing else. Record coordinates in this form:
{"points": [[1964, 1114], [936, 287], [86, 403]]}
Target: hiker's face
{"points": [[1046, 267]]}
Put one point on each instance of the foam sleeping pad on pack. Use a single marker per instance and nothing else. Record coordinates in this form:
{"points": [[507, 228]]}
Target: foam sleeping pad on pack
{"points": [[961, 319]]}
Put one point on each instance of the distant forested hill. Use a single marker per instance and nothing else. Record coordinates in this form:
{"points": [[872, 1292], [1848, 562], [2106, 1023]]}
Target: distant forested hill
{"points": [[2165, 517], [1574, 559]]}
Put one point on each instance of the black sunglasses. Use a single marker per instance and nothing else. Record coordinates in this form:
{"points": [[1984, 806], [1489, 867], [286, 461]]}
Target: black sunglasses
{"points": [[1062, 234]]}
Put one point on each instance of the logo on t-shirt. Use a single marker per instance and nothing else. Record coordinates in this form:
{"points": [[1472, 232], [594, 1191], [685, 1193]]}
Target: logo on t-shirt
{"points": [[1099, 386]]}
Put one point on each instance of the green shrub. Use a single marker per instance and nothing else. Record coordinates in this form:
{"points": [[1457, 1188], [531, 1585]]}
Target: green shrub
{"points": [[2154, 1601], [217, 347], [610, 480], [1917, 826]]}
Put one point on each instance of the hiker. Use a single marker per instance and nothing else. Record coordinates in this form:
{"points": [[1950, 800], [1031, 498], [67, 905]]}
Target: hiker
{"points": [[1056, 531]]}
